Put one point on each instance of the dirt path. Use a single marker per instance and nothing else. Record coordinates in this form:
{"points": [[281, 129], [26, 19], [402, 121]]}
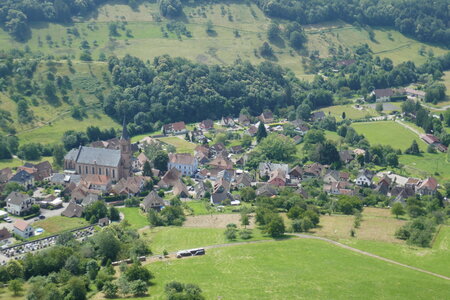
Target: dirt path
{"points": [[172, 255], [409, 127]]}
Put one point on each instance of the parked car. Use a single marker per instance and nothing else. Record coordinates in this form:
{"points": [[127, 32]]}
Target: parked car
{"points": [[42, 217], [8, 219]]}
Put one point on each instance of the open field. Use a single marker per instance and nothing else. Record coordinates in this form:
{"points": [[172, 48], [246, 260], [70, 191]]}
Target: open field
{"points": [[58, 224], [178, 238], [291, 268], [377, 224], [350, 112], [388, 133], [16, 162], [134, 216], [428, 164], [435, 259], [215, 221], [199, 208], [179, 143]]}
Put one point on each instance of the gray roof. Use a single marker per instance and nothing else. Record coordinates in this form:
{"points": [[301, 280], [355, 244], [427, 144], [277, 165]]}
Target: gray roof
{"points": [[91, 155], [89, 199], [17, 198], [218, 198], [152, 200], [21, 176], [73, 210]]}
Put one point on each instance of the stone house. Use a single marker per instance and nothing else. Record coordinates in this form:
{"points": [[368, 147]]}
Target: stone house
{"points": [[183, 162], [18, 204]]}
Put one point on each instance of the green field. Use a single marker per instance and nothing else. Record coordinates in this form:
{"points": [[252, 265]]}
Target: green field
{"points": [[428, 164], [58, 224], [134, 216], [295, 269], [435, 259], [388, 133], [180, 144], [350, 112]]}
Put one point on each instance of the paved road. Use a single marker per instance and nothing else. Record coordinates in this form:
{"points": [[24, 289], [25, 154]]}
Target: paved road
{"points": [[306, 236]]}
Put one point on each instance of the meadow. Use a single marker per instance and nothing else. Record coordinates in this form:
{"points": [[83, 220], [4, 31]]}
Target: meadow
{"points": [[292, 269], [351, 113], [180, 144], [388, 133], [58, 224], [134, 216]]}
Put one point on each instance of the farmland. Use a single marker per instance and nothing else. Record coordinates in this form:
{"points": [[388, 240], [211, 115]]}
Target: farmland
{"points": [[281, 274], [388, 133]]}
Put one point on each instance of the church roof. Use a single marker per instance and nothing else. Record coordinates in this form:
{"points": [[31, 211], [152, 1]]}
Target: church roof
{"points": [[91, 156]]}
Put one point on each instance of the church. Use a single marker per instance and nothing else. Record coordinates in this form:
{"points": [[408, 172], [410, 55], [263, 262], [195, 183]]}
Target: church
{"points": [[116, 164]]}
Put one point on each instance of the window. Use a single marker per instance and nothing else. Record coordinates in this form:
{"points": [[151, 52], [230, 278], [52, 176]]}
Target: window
{"points": [[79, 169], [107, 173], [93, 170], [114, 173], [99, 171], [87, 170]]}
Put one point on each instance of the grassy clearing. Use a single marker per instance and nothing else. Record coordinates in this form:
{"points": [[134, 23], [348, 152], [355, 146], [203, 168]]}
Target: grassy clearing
{"points": [[15, 162], [287, 269], [199, 208], [435, 259], [388, 133], [178, 238], [58, 224], [350, 112], [427, 164], [180, 144], [134, 216]]}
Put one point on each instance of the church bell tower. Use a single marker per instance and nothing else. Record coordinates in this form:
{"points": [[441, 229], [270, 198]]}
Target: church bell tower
{"points": [[125, 151]]}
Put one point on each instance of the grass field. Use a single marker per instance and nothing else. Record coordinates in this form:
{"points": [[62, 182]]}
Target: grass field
{"points": [[134, 216], [15, 162], [177, 238], [58, 224], [388, 133], [435, 259], [350, 112], [428, 164], [180, 144], [292, 269]]}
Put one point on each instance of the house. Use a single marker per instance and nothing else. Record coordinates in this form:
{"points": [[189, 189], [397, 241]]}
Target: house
{"points": [[140, 161], [266, 190], [186, 163], [101, 183], [220, 198], [23, 229], [244, 120], [129, 186], [40, 171], [300, 126], [383, 186], [252, 130], [413, 183], [297, 139], [296, 173], [345, 62], [104, 222], [89, 199], [203, 149], [202, 159], [346, 156], [427, 187], [338, 188], [152, 201], [218, 148], [4, 235], [170, 178], [301, 191], [174, 128], [317, 116], [200, 189], [198, 136], [226, 174], [79, 192], [400, 194], [266, 168], [236, 149], [266, 117], [383, 95], [65, 179], [359, 152], [23, 178], [5, 175], [180, 189], [227, 122], [277, 178], [18, 204], [221, 162], [364, 178], [243, 180], [430, 139], [206, 124], [313, 170], [73, 210]]}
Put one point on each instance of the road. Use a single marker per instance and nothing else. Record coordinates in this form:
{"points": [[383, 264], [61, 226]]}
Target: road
{"points": [[409, 127], [172, 255]]}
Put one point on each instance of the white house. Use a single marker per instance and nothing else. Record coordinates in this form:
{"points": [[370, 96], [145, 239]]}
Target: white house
{"points": [[364, 178], [23, 229], [186, 163], [18, 203]]}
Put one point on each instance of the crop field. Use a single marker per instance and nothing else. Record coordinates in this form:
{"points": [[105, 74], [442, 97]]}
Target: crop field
{"points": [[434, 259], [388, 133], [179, 143], [291, 269]]}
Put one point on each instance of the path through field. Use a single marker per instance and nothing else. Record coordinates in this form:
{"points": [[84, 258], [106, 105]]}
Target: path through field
{"points": [[305, 236], [409, 127]]}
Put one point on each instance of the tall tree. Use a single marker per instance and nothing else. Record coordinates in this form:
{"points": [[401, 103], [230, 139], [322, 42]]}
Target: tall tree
{"points": [[262, 132]]}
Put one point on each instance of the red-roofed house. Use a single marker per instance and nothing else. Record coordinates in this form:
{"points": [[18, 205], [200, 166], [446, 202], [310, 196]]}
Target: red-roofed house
{"points": [[23, 229], [428, 187], [174, 128]]}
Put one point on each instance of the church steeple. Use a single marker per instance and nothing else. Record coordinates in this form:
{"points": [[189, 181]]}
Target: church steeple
{"points": [[125, 135]]}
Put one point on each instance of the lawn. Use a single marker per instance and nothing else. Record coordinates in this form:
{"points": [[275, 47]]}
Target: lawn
{"points": [[180, 144], [293, 269], [427, 164], [435, 259], [199, 208], [134, 216], [58, 224], [350, 112], [388, 133]]}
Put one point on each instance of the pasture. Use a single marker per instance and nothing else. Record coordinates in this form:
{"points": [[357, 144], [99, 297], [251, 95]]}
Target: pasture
{"points": [[427, 164], [179, 143], [291, 268], [388, 133], [351, 112], [134, 216], [58, 224]]}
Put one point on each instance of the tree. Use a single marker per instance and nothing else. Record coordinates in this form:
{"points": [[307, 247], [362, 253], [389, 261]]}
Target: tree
{"points": [[114, 214], [30, 151], [261, 133], [138, 288], [15, 286], [231, 232], [245, 221], [95, 211], [343, 115], [413, 149], [304, 111], [397, 209], [379, 107], [278, 148], [147, 169], [161, 160], [273, 32], [248, 194], [392, 159], [110, 289], [58, 155], [326, 153], [266, 50], [275, 228], [107, 245], [137, 272], [76, 289]]}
